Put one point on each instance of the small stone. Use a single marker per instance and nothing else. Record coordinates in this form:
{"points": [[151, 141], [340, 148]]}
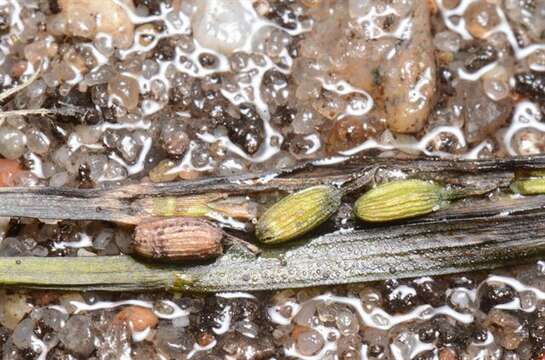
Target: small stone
{"points": [[347, 323], [508, 328], [12, 143], [85, 252], [13, 308], [306, 314], [51, 318], [77, 335], [174, 139], [37, 141], [11, 246], [460, 300], [123, 240], [173, 342], [8, 171], [483, 116], [138, 318], [221, 25], [492, 294], [346, 134], [370, 298], [104, 243], [306, 122], [309, 342], [85, 18], [143, 351], [22, 334], [180, 321], [496, 89], [447, 41], [125, 89], [528, 300], [481, 17], [115, 342], [237, 346], [40, 251], [326, 312], [247, 328], [348, 347]]}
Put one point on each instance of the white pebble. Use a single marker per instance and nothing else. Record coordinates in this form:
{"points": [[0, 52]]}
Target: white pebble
{"points": [[447, 41], [222, 25], [12, 143]]}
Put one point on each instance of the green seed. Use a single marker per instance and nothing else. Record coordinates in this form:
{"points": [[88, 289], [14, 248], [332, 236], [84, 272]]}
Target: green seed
{"points": [[400, 200], [297, 214], [529, 182], [529, 186]]}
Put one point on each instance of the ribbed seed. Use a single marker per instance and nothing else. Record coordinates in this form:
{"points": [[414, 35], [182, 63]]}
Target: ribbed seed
{"points": [[297, 214], [178, 239], [400, 200]]}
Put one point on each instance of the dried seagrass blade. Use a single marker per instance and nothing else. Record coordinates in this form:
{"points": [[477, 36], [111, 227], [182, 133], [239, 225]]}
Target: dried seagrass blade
{"points": [[132, 204], [403, 250]]}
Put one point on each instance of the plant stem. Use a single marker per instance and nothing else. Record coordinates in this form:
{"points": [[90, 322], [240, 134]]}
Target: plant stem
{"points": [[417, 248]]}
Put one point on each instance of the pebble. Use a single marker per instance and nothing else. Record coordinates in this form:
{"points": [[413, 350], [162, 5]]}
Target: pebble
{"points": [[22, 334], [8, 171], [173, 342], [309, 342], [13, 308], [124, 89], [85, 18], [138, 318], [51, 318], [12, 143], [305, 315], [77, 335], [221, 25], [447, 41], [247, 328], [481, 17], [347, 322], [174, 139]]}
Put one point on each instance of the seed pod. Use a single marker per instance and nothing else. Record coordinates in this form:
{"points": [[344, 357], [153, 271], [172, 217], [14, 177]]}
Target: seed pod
{"points": [[297, 214], [529, 182], [178, 238], [400, 200], [529, 186]]}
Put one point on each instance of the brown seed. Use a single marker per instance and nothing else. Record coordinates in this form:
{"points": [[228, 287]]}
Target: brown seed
{"points": [[138, 318], [178, 238]]}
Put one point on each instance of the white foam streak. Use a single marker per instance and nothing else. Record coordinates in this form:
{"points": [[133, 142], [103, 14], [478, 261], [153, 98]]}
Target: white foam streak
{"points": [[236, 295], [457, 13], [224, 321], [477, 75], [101, 305], [197, 348], [83, 242]]}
